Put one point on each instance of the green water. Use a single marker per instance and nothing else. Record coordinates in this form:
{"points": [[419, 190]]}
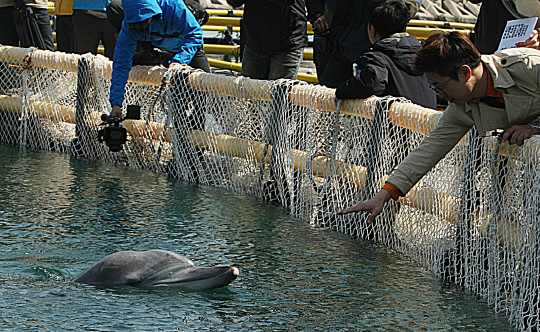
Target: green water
{"points": [[59, 215]]}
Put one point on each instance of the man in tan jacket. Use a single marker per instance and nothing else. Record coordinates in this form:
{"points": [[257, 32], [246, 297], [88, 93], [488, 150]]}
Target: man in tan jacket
{"points": [[499, 91]]}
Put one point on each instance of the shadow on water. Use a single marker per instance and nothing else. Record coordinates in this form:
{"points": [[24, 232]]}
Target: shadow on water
{"points": [[58, 216]]}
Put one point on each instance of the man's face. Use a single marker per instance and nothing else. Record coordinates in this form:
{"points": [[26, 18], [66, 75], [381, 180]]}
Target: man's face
{"points": [[456, 92], [140, 26]]}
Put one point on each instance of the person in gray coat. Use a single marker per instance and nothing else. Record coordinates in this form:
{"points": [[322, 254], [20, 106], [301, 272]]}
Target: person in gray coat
{"points": [[499, 91]]}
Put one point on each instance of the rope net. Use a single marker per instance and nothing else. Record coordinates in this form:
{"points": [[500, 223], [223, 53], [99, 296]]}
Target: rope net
{"points": [[472, 220]]}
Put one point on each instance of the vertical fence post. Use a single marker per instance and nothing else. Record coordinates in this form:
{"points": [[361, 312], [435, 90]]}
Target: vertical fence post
{"points": [[454, 261], [84, 142], [186, 115], [276, 188]]}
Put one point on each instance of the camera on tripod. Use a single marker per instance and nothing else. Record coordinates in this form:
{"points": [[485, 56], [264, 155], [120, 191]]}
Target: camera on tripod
{"points": [[113, 134]]}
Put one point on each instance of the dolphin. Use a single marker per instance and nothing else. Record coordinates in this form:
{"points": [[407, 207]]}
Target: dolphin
{"points": [[156, 268]]}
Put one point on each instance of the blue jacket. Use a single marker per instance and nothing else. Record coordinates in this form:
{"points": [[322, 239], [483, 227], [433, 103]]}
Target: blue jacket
{"points": [[173, 28], [91, 4]]}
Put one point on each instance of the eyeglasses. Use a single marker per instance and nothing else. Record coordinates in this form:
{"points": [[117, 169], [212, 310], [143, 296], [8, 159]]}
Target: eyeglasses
{"points": [[439, 90]]}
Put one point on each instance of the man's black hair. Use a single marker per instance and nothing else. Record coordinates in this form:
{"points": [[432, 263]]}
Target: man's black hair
{"points": [[387, 16]]}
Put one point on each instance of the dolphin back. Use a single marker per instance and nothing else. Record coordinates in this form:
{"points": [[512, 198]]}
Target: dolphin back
{"points": [[156, 268], [132, 267]]}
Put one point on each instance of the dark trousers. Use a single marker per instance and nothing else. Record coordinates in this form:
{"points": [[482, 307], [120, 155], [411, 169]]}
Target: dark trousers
{"points": [[89, 30], [199, 60], [322, 49], [65, 37], [8, 32], [338, 70]]}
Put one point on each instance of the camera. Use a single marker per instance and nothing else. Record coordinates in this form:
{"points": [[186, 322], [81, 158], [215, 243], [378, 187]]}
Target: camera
{"points": [[113, 134]]}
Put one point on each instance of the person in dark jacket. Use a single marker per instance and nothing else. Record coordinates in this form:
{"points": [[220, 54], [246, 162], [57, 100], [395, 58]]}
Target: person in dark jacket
{"points": [[490, 24], [275, 33], [348, 35], [387, 67], [320, 14], [348, 38], [168, 25]]}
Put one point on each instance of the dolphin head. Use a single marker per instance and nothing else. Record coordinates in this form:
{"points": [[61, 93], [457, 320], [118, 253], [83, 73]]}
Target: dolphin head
{"points": [[194, 278], [156, 268]]}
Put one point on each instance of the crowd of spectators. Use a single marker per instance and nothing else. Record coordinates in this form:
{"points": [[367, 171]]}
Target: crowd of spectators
{"points": [[485, 90], [367, 34]]}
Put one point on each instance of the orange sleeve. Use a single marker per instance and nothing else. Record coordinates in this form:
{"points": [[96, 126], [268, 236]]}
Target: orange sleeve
{"points": [[394, 192]]}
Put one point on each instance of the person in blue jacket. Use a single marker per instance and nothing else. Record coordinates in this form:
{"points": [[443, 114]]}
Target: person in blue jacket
{"points": [[168, 25]]}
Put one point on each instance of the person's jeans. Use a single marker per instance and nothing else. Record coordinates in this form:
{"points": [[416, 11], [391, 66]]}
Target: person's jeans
{"points": [[44, 22], [271, 67]]}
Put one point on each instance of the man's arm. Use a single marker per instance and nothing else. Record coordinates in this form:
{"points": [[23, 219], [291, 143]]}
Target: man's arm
{"points": [[315, 10], [123, 58], [190, 31], [420, 161]]}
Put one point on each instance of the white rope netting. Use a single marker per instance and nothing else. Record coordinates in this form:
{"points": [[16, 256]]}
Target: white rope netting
{"points": [[472, 220]]}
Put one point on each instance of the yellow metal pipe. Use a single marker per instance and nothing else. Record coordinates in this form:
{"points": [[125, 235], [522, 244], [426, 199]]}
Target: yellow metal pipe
{"points": [[69, 62], [218, 28], [61, 113], [222, 49], [227, 85], [224, 21], [424, 33], [442, 24], [225, 65], [308, 55], [225, 12], [419, 119]]}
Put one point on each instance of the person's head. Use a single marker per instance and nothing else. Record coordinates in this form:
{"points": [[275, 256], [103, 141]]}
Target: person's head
{"points": [[139, 13], [450, 62], [386, 17]]}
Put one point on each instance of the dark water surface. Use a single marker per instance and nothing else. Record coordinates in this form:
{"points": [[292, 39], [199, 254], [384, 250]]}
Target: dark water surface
{"points": [[59, 215]]}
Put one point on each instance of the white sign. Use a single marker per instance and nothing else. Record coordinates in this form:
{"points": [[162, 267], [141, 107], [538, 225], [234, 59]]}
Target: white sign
{"points": [[516, 31]]}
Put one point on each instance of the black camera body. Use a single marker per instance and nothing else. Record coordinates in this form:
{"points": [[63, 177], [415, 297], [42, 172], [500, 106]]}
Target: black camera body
{"points": [[113, 134]]}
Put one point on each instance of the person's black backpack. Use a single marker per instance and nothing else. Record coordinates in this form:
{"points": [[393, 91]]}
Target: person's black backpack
{"points": [[198, 11]]}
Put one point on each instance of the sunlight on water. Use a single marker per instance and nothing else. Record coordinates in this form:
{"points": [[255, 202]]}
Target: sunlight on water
{"points": [[59, 215]]}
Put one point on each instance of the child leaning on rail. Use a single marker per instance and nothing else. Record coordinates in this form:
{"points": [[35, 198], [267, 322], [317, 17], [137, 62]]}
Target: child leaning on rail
{"points": [[498, 91], [387, 67]]}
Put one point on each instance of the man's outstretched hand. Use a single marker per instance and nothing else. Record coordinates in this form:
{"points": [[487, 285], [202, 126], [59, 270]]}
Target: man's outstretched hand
{"points": [[374, 205]]}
